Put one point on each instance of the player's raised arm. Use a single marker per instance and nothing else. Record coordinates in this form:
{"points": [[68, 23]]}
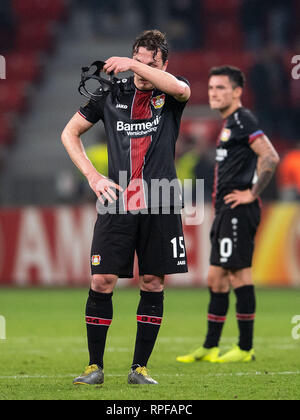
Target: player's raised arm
{"points": [[150, 72], [71, 139], [149, 64], [268, 160]]}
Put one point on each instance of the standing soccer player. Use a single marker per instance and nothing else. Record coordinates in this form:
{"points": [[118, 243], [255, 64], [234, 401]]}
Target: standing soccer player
{"points": [[246, 161], [142, 117]]}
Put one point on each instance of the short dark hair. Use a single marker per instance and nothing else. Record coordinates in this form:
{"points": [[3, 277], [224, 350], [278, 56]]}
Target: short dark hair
{"points": [[152, 40], [236, 76]]}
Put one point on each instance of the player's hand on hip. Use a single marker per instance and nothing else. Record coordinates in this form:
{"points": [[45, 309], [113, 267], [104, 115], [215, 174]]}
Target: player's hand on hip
{"points": [[237, 197], [104, 188], [117, 65]]}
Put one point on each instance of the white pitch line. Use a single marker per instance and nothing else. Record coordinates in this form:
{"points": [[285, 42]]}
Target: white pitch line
{"points": [[161, 340], [208, 375]]}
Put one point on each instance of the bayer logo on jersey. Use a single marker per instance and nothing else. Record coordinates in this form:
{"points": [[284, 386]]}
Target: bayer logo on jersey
{"points": [[96, 260], [159, 101], [225, 134]]}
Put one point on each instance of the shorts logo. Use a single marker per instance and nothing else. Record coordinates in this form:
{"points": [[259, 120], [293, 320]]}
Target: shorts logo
{"points": [[159, 101], [121, 106], [96, 260], [225, 135]]}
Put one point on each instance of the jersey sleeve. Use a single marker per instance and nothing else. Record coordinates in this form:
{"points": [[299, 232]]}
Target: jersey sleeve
{"points": [[248, 127], [93, 110], [177, 105]]}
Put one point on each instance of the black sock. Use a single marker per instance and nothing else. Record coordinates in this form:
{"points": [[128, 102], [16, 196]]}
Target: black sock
{"points": [[245, 313], [217, 311], [99, 313], [149, 318]]}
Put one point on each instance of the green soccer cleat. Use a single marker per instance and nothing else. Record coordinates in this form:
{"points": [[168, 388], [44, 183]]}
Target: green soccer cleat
{"points": [[93, 375], [201, 355], [140, 376], [236, 355]]}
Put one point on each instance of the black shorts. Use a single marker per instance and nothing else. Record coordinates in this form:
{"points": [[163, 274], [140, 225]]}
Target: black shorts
{"points": [[157, 239], [232, 236]]}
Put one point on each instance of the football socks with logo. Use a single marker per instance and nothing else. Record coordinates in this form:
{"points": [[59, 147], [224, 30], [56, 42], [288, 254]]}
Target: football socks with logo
{"points": [[99, 313], [217, 311], [245, 313], [149, 318]]}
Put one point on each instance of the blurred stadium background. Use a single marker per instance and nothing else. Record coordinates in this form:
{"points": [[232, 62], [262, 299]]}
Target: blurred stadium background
{"points": [[47, 211]]}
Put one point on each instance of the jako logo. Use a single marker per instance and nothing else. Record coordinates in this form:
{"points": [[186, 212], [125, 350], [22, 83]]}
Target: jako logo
{"points": [[2, 67], [296, 69], [2, 328]]}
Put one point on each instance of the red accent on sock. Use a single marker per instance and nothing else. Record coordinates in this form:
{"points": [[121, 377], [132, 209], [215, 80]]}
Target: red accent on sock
{"points": [[98, 321], [216, 318], [245, 317], [149, 319]]}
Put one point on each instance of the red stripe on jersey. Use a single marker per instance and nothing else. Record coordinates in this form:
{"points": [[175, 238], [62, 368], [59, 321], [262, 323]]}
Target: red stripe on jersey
{"points": [[134, 196], [141, 107], [155, 320], [98, 321], [216, 318], [245, 317], [81, 115]]}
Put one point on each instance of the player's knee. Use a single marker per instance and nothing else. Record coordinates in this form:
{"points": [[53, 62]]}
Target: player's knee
{"points": [[151, 283], [218, 285], [103, 283], [240, 278]]}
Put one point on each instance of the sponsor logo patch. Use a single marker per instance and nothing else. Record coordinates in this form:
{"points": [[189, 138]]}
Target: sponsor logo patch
{"points": [[159, 101], [96, 260], [225, 135]]}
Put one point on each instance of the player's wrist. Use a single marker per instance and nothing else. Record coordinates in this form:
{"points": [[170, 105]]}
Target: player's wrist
{"points": [[135, 65], [254, 194], [93, 174]]}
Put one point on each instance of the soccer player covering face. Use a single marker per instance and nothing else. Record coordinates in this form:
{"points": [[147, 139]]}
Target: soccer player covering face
{"points": [[142, 117], [245, 163]]}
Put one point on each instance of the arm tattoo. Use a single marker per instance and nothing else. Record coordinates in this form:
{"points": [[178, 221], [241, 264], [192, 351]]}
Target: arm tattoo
{"points": [[266, 168], [268, 159]]}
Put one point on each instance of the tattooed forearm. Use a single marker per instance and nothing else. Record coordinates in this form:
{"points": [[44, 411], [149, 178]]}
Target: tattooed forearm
{"points": [[266, 169], [268, 159]]}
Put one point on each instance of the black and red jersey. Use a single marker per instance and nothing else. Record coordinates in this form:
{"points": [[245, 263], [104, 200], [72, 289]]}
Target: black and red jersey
{"points": [[235, 160], [142, 128]]}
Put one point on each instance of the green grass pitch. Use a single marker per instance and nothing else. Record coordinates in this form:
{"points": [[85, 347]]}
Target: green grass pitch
{"points": [[45, 348]]}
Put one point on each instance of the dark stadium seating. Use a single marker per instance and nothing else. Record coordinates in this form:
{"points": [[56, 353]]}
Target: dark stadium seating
{"points": [[34, 37], [6, 129], [23, 66], [38, 10], [223, 33], [221, 7], [195, 66], [13, 96]]}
